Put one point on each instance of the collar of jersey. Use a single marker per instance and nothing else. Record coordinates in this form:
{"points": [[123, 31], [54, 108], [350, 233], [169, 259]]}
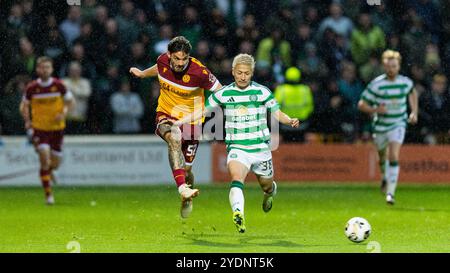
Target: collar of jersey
{"points": [[45, 84]]}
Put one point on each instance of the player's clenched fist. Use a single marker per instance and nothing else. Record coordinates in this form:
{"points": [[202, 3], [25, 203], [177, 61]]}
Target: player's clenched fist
{"points": [[136, 72], [295, 122]]}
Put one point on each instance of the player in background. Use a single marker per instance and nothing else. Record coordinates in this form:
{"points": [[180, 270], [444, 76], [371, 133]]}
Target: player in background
{"points": [[386, 98], [182, 80], [44, 108], [245, 104]]}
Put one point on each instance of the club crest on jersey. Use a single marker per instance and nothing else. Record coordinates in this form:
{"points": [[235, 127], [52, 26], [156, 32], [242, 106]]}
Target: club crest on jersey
{"points": [[53, 89], [186, 78], [164, 69], [253, 98]]}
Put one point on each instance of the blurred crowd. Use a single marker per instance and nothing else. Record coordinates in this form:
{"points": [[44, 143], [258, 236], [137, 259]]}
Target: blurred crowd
{"points": [[317, 57]]}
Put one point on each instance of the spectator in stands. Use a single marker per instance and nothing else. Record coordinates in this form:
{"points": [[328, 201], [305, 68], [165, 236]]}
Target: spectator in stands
{"points": [[233, 10], [128, 109], [331, 103], [371, 69], [128, 28], [81, 90], [382, 18], [312, 18], [165, 34], [216, 63], [203, 52], [114, 50], [71, 26], [247, 30], [101, 15], [191, 28], [88, 9], [296, 100], [55, 47], [247, 47], [274, 52], [334, 50], [414, 41], [312, 66], [339, 23], [432, 62], [78, 54], [352, 8], [351, 88], [217, 30], [429, 13], [15, 23], [143, 25], [365, 39], [9, 105], [302, 37], [435, 111], [27, 57]]}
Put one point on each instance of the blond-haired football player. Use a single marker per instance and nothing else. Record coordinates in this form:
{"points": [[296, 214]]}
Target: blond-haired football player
{"points": [[245, 104], [386, 98]]}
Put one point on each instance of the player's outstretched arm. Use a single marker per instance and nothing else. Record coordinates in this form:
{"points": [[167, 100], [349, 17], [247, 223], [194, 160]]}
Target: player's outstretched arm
{"points": [[285, 119], [149, 72], [414, 106]]}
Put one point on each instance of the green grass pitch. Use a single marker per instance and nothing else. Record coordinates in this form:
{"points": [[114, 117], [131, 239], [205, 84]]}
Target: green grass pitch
{"points": [[305, 218]]}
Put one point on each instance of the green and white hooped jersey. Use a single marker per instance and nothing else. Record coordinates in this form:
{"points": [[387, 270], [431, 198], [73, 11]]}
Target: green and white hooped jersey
{"points": [[245, 112], [394, 94]]}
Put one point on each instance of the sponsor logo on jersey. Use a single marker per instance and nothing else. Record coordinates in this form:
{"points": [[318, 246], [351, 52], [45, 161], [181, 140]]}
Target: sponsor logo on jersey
{"points": [[244, 118]]}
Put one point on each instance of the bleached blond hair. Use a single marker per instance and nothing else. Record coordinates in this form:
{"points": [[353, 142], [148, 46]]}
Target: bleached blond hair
{"points": [[391, 54], [244, 59]]}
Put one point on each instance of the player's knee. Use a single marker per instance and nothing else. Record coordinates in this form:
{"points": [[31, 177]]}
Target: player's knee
{"points": [[237, 177], [54, 165], [266, 184], [188, 170], [45, 163], [393, 157]]}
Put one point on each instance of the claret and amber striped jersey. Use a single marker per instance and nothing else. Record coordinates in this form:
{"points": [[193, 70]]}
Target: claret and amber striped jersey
{"points": [[47, 101], [180, 91]]}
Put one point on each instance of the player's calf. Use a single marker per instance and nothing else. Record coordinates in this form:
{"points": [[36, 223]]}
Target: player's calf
{"points": [[268, 198]]}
